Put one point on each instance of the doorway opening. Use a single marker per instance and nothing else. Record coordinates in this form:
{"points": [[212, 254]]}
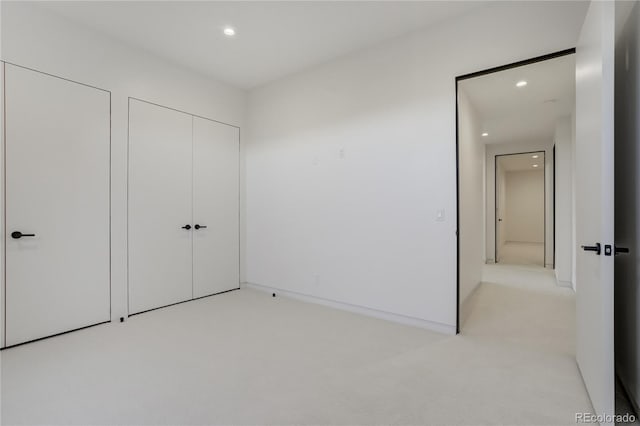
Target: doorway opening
{"points": [[520, 208], [515, 138]]}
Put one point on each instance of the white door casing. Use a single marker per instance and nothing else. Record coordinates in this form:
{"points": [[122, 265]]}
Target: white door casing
{"points": [[595, 204], [216, 154], [57, 167]]}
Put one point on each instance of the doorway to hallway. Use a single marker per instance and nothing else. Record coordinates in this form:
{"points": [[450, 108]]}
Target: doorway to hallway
{"points": [[520, 208], [513, 124]]}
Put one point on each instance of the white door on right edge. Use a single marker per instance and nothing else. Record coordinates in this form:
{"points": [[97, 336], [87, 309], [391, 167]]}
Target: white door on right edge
{"points": [[595, 205], [216, 240]]}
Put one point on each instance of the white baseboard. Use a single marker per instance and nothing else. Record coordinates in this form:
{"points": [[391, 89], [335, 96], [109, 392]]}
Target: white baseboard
{"points": [[564, 284], [388, 316], [467, 305]]}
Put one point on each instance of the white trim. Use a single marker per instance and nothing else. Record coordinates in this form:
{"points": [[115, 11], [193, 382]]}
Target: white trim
{"points": [[388, 316], [466, 305], [564, 284]]}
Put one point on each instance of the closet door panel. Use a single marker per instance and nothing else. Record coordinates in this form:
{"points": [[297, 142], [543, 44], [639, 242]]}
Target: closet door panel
{"points": [[57, 194], [216, 258], [160, 200]]}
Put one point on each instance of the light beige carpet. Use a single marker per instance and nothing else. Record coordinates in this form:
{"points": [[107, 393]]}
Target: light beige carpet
{"points": [[515, 253], [247, 358]]}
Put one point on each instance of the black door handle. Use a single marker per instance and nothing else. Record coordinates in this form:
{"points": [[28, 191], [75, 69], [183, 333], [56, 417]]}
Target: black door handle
{"points": [[620, 250], [186, 227], [597, 248], [200, 226], [17, 235]]}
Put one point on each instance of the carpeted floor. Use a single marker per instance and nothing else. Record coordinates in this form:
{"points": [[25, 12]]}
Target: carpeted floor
{"points": [[247, 358], [515, 253]]}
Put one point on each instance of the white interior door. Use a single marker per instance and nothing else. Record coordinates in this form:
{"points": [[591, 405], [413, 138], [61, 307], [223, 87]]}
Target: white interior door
{"points": [[501, 210], [595, 203], [216, 247], [627, 294], [160, 199], [2, 221], [57, 192]]}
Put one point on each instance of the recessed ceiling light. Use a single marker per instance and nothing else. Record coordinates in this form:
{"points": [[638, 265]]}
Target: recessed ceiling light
{"points": [[485, 134], [229, 31], [535, 156], [535, 165], [521, 83]]}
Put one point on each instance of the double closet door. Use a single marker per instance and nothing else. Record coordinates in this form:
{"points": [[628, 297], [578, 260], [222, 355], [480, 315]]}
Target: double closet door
{"points": [[183, 206], [57, 173]]}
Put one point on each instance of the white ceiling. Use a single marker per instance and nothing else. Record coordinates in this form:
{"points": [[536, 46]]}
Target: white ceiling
{"points": [[511, 114], [274, 38], [521, 162]]}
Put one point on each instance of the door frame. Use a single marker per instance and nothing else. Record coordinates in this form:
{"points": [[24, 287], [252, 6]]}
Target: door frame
{"points": [[544, 202], [458, 79]]}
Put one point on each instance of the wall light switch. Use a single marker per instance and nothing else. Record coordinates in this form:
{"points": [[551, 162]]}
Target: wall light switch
{"points": [[440, 215], [341, 153]]}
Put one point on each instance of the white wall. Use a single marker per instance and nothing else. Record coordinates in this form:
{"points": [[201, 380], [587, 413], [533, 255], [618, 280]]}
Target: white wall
{"points": [[525, 206], [472, 199], [564, 206], [627, 195], [513, 148], [356, 226], [36, 39], [348, 163]]}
